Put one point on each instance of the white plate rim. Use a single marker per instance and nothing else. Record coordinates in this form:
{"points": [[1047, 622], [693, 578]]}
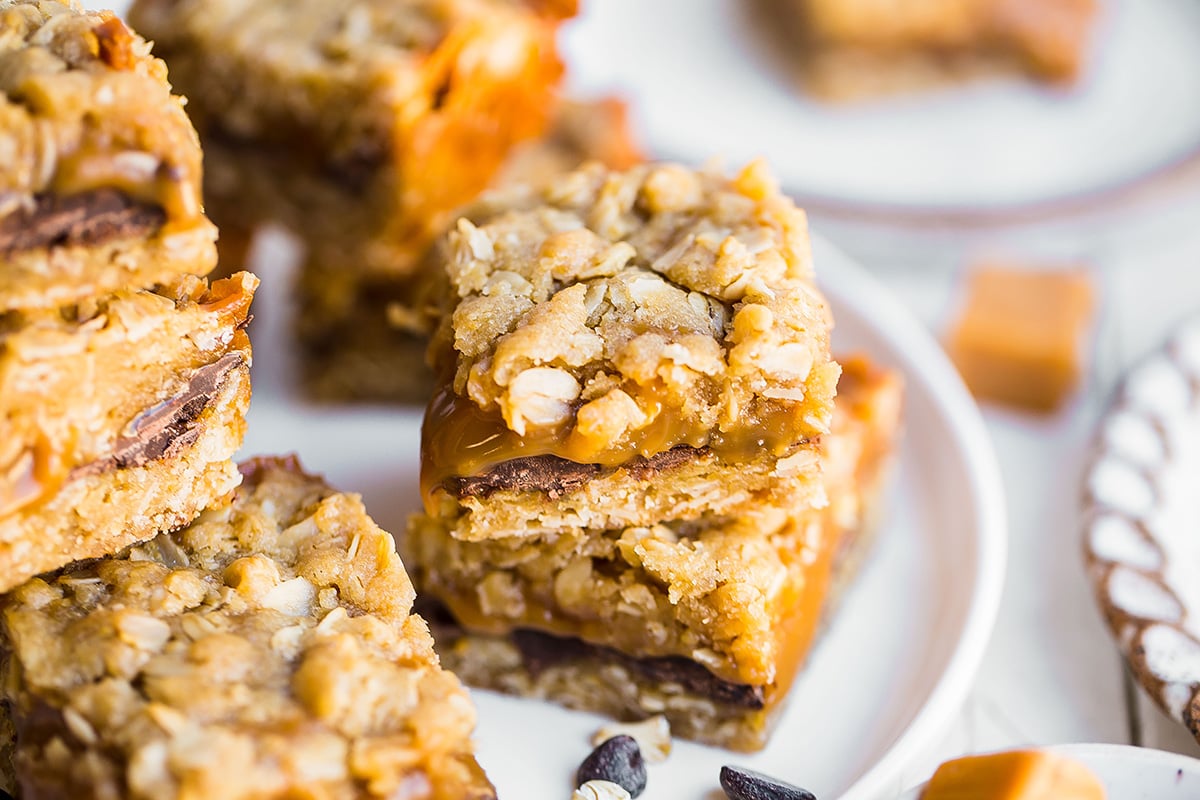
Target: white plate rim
{"points": [[841, 277]]}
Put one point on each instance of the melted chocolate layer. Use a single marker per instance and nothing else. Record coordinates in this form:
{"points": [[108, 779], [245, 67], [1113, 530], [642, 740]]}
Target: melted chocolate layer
{"points": [[540, 651], [169, 426], [90, 218], [555, 476]]}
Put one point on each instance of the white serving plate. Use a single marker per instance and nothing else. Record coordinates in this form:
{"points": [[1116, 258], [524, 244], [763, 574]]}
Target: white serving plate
{"points": [[897, 661], [1129, 773], [702, 85]]}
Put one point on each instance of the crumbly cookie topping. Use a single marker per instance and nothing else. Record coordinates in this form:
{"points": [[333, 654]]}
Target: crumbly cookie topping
{"points": [[606, 298], [268, 646], [84, 106]]}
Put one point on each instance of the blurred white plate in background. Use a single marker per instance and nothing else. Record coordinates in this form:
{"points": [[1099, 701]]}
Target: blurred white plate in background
{"points": [[703, 83]]}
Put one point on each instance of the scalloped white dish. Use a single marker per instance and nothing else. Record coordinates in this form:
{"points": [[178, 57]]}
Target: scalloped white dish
{"points": [[1128, 773], [899, 656], [1140, 542]]}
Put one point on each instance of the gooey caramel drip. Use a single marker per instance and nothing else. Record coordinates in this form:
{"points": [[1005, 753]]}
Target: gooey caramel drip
{"points": [[36, 472], [91, 168], [459, 439]]}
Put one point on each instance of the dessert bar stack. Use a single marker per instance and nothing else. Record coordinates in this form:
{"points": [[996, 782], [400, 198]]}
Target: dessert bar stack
{"points": [[360, 127], [168, 627], [124, 375], [622, 463]]}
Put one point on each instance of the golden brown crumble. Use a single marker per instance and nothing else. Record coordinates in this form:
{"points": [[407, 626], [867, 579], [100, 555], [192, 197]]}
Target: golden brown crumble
{"points": [[609, 303]]}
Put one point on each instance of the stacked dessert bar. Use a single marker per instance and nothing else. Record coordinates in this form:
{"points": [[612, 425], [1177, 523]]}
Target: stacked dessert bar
{"points": [[622, 463], [360, 127], [268, 648], [124, 375]]}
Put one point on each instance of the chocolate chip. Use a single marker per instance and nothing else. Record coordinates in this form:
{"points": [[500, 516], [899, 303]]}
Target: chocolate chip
{"points": [[744, 784], [617, 760]]}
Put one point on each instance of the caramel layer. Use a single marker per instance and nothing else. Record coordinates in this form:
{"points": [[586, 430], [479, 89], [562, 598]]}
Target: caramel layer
{"points": [[40, 471], [138, 176], [460, 440]]}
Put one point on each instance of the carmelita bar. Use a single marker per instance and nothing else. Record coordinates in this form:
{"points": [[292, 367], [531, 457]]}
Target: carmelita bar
{"points": [[266, 650], [707, 622], [360, 125], [627, 348], [364, 337], [100, 180], [118, 417]]}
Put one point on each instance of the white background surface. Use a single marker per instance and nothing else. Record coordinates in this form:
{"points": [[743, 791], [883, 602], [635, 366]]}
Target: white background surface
{"points": [[1052, 674]]}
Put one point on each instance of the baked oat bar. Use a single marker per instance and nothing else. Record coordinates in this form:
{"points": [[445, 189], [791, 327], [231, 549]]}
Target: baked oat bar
{"points": [[624, 349], [360, 338], [118, 417], [267, 650], [100, 176], [358, 125], [364, 337], [857, 48], [707, 622]]}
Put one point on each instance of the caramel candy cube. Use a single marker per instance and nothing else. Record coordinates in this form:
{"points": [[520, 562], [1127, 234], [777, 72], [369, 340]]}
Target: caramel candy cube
{"points": [[1019, 341], [1015, 775]]}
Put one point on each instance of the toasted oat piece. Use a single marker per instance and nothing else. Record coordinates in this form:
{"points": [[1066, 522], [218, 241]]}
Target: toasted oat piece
{"points": [[266, 650], [849, 49], [1021, 337], [624, 349], [706, 622], [358, 125], [100, 180], [118, 417], [364, 336]]}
